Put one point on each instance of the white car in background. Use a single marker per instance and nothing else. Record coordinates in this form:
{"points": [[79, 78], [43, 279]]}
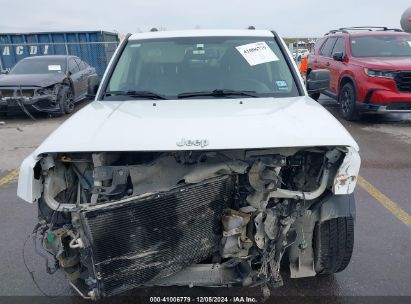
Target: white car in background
{"points": [[302, 53], [201, 162]]}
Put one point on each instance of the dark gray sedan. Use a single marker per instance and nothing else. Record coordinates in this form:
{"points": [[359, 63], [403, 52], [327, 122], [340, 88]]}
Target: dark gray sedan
{"points": [[50, 84]]}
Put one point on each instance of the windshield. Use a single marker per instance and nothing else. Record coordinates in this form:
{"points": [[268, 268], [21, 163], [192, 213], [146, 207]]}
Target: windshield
{"points": [[39, 66], [223, 66], [381, 46]]}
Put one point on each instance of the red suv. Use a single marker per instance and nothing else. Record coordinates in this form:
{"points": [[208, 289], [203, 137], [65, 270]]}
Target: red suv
{"points": [[370, 69]]}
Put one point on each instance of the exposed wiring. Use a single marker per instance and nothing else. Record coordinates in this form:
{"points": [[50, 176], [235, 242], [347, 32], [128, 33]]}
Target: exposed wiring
{"points": [[22, 107], [52, 216], [45, 256], [31, 273], [66, 199], [81, 176]]}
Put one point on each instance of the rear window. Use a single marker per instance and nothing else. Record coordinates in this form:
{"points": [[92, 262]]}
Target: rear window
{"points": [[381, 46], [73, 66], [83, 65]]}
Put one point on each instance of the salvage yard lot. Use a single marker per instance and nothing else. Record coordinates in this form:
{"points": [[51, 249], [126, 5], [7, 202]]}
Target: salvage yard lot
{"points": [[381, 259]]}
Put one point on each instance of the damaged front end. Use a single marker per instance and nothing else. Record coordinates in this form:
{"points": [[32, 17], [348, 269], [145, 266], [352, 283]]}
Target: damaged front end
{"points": [[38, 99], [114, 221]]}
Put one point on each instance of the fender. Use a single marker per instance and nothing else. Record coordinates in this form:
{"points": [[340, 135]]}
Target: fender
{"points": [[92, 83], [29, 188], [338, 206], [345, 76]]}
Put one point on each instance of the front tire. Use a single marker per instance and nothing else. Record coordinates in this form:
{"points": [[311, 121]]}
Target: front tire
{"points": [[66, 100], [333, 243], [347, 99]]}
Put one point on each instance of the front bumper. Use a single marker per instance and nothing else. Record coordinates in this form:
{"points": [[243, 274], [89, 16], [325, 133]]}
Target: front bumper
{"points": [[386, 101], [42, 103], [33, 99], [403, 107]]}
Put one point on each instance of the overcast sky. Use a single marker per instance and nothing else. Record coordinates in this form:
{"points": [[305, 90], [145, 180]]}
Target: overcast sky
{"points": [[290, 18]]}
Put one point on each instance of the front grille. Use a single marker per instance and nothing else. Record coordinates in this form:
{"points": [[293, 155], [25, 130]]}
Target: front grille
{"points": [[26, 92], [403, 81], [6, 93], [16, 92], [145, 239]]}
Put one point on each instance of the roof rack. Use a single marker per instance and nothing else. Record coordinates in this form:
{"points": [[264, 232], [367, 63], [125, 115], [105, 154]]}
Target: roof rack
{"points": [[370, 28], [336, 31], [346, 30]]}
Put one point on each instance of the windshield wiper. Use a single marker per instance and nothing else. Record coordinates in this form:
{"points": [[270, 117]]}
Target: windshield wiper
{"points": [[135, 94], [218, 93]]}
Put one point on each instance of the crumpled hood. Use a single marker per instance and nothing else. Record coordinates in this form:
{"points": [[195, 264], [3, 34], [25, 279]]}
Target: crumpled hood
{"points": [[31, 80], [388, 63], [143, 125]]}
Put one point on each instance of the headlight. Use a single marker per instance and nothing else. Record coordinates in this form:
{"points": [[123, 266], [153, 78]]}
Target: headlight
{"points": [[380, 73], [346, 177]]}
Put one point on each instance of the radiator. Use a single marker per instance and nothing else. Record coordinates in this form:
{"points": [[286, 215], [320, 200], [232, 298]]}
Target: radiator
{"points": [[146, 239]]}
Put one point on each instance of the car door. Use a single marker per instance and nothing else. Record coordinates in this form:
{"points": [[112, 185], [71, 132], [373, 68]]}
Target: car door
{"points": [[74, 71], [313, 58], [325, 53], [92, 77], [83, 79], [324, 56], [336, 66]]}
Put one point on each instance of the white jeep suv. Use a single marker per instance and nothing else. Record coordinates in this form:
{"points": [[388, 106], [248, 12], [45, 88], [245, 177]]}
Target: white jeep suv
{"points": [[201, 162]]}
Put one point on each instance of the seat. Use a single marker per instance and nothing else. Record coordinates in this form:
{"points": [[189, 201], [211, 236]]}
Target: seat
{"points": [[160, 78], [239, 75]]}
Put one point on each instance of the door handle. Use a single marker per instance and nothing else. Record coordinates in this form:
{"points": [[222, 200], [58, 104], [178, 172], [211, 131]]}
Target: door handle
{"points": [[327, 64]]}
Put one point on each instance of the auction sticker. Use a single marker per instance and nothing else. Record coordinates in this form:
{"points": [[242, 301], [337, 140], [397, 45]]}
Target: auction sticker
{"points": [[54, 67], [257, 53]]}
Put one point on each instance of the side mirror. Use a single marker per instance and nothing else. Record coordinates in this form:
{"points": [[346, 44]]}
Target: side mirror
{"points": [[338, 56], [318, 81]]}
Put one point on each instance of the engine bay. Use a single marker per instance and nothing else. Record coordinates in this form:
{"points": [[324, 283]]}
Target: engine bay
{"points": [[113, 221]]}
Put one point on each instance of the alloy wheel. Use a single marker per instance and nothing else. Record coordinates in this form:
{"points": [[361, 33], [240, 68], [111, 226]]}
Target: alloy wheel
{"points": [[346, 101], [69, 101]]}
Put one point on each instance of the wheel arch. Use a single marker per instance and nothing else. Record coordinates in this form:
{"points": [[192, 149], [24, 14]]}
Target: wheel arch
{"points": [[337, 206], [344, 80], [331, 208], [68, 82]]}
